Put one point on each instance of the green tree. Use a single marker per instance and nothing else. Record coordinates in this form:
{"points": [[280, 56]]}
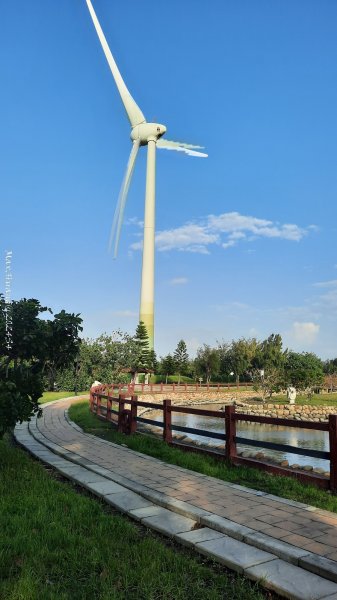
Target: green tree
{"points": [[142, 341], [62, 343], [304, 371], [207, 362], [153, 361], [268, 366], [108, 358], [167, 366], [21, 361], [236, 358], [330, 366], [181, 359]]}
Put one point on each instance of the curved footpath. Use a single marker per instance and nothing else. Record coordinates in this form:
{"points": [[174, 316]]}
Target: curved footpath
{"points": [[288, 546]]}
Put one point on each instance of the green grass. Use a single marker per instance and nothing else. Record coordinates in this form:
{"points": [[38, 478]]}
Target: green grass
{"points": [[49, 396], [59, 544], [285, 487], [316, 400]]}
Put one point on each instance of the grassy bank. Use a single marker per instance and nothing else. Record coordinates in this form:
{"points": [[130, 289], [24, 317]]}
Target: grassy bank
{"points": [[281, 486], [58, 544], [49, 396]]}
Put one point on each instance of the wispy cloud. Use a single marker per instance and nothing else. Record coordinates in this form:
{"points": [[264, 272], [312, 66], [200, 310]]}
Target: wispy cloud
{"points": [[134, 221], [178, 281], [305, 333], [326, 284], [225, 230]]}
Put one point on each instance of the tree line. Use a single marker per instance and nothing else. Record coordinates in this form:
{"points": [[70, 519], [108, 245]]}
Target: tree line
{"points": [[45, 351], [121, 358]]}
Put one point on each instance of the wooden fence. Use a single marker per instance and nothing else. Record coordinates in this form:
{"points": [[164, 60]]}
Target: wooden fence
{"points": [[126, 419], [131, 388]]}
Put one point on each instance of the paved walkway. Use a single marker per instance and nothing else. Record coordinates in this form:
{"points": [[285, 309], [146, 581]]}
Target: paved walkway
{"points": [[290, 540]]}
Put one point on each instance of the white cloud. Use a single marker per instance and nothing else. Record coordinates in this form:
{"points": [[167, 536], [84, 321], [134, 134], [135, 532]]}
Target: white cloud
{"points": [[225, 230], [178, 281], [228, 244], [185, 237], [236, 226], [326, 284], [305, 332]]}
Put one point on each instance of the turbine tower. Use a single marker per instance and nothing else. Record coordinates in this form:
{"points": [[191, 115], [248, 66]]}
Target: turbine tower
{"points": [[142, 134]]}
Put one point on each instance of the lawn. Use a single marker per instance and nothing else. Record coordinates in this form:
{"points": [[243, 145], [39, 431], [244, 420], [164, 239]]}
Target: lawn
{"points": [[59, 544], [49, 396], [316, 400], [286, 487]]}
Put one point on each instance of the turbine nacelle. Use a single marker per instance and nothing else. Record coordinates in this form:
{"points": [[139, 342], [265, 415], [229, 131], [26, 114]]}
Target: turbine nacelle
{"points": [[146, 132]]}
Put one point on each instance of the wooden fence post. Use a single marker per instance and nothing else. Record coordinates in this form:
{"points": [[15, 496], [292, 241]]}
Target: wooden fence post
{"points": [[91, 401], [121, 408], [230, 450], [133, 414], [167, 418], [333, 452], [98, 406], [108, 406]]}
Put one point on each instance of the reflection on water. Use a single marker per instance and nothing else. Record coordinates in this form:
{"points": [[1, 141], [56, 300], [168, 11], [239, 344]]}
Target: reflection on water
{"points": [[302, 438]]}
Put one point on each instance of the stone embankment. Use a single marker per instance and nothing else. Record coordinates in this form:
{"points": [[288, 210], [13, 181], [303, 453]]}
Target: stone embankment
{"points": [[288, 411], [245, 403], [199, 397]]}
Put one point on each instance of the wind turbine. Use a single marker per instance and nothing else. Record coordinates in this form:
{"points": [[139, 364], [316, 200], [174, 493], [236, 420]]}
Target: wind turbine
{"points": [[142, 134]]}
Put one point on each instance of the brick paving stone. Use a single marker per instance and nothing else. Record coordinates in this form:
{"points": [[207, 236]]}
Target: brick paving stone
{"points": [[274, 531], [322, 549], [269, 518], [331, 540], [297, 540], [332, 555], [314, 533]]}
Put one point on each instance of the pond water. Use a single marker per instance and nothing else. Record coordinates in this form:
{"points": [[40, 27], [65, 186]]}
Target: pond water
{"points": [[302, 438]]}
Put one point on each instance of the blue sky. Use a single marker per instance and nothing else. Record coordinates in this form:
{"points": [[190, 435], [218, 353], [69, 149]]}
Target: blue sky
{"points": [[246, 241]]}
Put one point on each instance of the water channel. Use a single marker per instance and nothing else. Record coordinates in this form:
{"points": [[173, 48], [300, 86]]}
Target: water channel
{"points": [[302, 438]]}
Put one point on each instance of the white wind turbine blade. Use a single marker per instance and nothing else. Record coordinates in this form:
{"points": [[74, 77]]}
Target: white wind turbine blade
{"points": [[119, 212], [181, 147], [133, 111]]}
